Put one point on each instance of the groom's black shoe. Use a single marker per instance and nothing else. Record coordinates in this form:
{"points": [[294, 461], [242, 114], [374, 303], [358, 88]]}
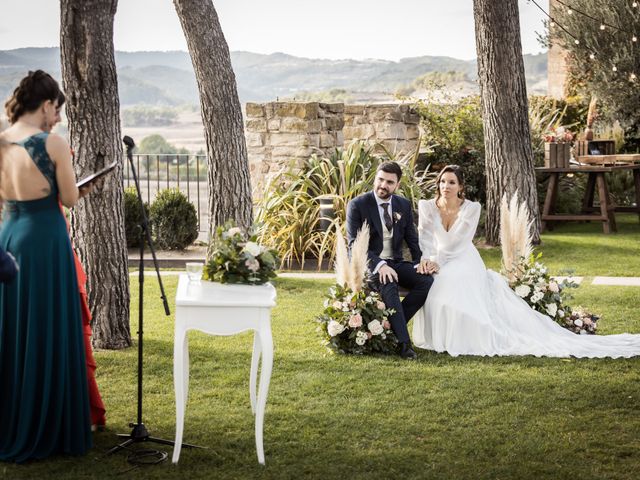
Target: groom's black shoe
{"points": [[407, 352]]}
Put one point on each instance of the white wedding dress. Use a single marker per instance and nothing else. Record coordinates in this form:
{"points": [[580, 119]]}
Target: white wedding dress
{"points": [[472, 311]]}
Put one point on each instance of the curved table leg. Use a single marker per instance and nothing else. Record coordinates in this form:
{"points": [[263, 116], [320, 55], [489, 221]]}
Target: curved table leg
{"points": [[181, 385], [253, 376], [266, 343]]}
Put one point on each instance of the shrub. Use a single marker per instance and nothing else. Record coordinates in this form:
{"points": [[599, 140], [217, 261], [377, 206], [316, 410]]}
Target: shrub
{"points": [[174, 222], [132, 217], [289, 213]]}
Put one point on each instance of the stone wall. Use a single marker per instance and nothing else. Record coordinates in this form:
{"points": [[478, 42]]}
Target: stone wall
{"points": [[393, 126], [281, 134]]}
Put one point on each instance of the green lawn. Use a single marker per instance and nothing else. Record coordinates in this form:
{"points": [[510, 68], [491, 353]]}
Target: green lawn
{"points": [[585, 249], [331, 416]]}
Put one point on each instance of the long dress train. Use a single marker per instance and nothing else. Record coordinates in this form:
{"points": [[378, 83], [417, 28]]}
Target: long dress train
{"points": [[44, 401], [472, 311]]}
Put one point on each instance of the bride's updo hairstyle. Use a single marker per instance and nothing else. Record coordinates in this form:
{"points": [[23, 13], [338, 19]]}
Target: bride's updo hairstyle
{"points": [[457, 171], [34, 89]]}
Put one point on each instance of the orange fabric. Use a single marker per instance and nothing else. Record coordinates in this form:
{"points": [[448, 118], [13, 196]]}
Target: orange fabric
{"points": [[95, 400]]}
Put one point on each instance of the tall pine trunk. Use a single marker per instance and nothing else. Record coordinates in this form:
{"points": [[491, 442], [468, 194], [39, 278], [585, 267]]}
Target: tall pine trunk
{"points": [[509, 157], [228, 177], [91, 87]]}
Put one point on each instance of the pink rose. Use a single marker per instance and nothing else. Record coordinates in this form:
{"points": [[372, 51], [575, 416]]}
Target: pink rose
{"points": [[355, 321], [381, 305], [369, 335], [386, 325]]}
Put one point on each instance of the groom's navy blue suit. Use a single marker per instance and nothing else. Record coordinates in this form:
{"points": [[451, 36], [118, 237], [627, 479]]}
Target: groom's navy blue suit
{"points": [[364, 208]]}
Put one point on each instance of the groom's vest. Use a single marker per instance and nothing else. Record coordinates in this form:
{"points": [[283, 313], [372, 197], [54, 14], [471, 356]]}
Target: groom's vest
{"points": [[387, 239]]}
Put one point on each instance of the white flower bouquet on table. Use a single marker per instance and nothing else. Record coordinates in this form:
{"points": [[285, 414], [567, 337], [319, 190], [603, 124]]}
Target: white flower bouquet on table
{"points": [[355, 319], [234, 256]]}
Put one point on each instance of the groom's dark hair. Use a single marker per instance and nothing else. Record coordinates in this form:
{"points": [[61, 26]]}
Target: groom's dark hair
{"points": [[391, 167]]}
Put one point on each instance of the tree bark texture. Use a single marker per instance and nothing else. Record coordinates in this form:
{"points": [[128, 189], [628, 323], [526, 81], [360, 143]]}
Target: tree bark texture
{"points": [[92, 107], [229, 182], [509, 158]]}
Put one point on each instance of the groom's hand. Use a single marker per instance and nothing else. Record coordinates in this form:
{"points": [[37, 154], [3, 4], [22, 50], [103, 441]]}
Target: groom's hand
{"points": [[386, 274]]}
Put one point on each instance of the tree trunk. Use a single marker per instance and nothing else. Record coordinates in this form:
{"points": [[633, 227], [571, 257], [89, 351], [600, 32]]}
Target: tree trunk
{"points": [[509, 158], [229, 182], [91, 87]]}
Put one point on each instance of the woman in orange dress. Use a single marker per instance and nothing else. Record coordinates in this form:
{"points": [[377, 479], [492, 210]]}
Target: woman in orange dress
{"points": [[95, 400]]}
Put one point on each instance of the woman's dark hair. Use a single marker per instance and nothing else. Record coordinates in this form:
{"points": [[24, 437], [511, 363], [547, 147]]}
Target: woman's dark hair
{"points": [[457, 171], [34, 89], [390, 167]]}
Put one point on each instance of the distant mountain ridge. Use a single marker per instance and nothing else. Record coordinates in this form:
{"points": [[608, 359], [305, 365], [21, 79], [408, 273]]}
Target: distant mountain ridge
{"points": [[166, 78]]}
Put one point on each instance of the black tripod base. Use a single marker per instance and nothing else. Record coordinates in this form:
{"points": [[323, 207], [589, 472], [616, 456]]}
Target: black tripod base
{"points": [[140, 434]]}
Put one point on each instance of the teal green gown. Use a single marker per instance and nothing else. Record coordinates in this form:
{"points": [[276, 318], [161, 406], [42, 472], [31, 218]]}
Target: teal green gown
{"points": [[44, 401]]}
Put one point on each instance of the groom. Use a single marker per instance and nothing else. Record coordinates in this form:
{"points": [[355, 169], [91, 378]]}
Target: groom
{"points": [[390, 220]]}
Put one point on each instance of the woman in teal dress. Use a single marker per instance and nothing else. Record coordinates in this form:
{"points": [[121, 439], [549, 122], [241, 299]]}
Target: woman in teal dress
{"points": [[44, 403]]}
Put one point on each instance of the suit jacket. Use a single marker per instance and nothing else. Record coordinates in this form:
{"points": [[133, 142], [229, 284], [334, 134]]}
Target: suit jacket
{"points": [[364, 208]]}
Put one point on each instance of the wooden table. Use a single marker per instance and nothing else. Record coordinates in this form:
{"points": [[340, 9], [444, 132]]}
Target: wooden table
{"points": [[224, 310], [596, 179]]}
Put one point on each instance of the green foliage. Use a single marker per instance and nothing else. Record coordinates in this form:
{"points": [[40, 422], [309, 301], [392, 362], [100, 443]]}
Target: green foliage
{"points": [[158, 145], [173, 219], [616, 91], [288, 214], [547, 114], [133, 217], [148, 116], [454, 135], [235, 257], [356, 322]]}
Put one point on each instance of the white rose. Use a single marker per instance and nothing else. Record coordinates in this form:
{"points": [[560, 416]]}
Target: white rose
{"points": [[552, 309], [522, 290], [577, 322], [233, 231], [253, 248], [561, 313], [536, 297], [553, 286], [334, 328], [375, 327], [361, 338]]}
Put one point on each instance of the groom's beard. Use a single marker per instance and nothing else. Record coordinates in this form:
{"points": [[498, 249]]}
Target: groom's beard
{"points": [[383, 193]]}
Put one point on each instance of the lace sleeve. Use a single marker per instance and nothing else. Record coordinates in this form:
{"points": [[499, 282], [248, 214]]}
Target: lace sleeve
{"points": [[461, 234], [425, 230]]}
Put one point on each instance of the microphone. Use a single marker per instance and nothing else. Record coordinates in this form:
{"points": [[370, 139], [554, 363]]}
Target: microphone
{"points": [[128, 141]]}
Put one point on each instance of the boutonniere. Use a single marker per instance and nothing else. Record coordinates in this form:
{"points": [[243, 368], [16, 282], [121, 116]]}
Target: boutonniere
{"points": [[396, 217]]}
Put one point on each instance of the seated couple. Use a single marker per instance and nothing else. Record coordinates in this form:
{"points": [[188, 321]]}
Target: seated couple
{"points": [[462, 308]]}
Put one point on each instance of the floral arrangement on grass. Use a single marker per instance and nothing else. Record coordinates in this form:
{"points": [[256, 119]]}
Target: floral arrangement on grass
{"points": [[234, 256], [355, 319], [581, 321], [530, 278], [536, 287]]}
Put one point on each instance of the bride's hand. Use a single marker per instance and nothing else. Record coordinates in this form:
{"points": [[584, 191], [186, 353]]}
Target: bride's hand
{"points": [[432, 267], [422, 267]]}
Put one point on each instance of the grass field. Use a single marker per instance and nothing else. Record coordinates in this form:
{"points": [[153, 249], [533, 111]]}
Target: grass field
{"points": [[331, 416]]}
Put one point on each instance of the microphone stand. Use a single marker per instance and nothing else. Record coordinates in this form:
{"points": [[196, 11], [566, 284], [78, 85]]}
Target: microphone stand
{"points": [[139, 432]]}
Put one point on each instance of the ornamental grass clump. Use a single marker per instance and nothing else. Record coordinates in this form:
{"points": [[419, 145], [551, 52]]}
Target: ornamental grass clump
{"points": [[234, 256], [355, 319]]}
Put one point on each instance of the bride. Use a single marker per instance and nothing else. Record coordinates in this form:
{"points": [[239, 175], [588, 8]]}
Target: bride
{"points": [[471, 310]]}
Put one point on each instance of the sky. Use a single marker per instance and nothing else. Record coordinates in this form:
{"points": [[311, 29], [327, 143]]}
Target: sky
{"points": [[334, 29]]}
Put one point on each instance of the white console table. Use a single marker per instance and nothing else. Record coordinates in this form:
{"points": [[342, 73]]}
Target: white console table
{"points": [[219, 309]]}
